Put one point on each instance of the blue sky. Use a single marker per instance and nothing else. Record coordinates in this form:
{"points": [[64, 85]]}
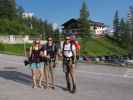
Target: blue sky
{"points": [[59, 11]]}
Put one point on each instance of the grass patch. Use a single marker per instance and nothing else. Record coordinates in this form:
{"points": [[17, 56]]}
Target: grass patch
{"points": [[91, 47], [14, 49], [100, 46]]}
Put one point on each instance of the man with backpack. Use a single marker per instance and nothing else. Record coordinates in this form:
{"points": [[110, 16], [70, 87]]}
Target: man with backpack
{"points": [[69, 56]]}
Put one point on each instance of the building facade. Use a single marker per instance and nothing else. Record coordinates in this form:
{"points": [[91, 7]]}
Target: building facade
{"points": [[74, 26]]}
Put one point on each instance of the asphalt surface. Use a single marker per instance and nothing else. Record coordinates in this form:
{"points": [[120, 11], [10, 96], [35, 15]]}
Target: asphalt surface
{"points": [[94, 82]]}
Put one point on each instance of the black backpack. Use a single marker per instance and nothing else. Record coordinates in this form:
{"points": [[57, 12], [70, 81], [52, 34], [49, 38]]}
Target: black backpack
{"points": [[53, 51]]}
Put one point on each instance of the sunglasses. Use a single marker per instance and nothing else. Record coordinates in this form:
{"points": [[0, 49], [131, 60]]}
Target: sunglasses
{"points": [[49, 40], [37, 42], [67, 39]]}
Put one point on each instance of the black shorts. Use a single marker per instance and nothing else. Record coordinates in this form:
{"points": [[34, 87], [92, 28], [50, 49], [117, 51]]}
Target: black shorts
{"points": [[51, 61], [67, 60]]}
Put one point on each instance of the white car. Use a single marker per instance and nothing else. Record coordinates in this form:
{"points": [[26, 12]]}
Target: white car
{"points": [[129, 61]]}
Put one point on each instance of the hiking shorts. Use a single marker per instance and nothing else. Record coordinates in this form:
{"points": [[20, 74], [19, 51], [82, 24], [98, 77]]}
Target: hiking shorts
{"points": [[36, 66], [43, 64], [51, 61], [67, 60]]}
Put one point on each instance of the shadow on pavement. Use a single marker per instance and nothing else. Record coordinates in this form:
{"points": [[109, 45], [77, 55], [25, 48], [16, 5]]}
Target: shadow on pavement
{"points": [[22, 78], [17, 77], [10, 68], [57, 85], [61, 87]]}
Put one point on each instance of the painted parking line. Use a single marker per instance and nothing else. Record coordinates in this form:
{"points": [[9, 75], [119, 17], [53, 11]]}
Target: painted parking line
{"points": [[128, 73]]}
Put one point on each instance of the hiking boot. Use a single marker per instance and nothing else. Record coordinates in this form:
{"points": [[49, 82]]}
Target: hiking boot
{"points": [[68, 86], [74, 88]]}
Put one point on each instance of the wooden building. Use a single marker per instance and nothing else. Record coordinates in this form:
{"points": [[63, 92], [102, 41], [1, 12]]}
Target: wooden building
{"points": [[74, 26]]}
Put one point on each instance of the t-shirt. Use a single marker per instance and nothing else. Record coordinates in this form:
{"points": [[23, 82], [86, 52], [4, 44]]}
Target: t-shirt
{"points": [[51, 50], [35, 56], [67, 49]]}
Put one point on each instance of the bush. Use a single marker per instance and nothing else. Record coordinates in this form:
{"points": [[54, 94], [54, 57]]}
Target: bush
{"points": [[2, 47]]}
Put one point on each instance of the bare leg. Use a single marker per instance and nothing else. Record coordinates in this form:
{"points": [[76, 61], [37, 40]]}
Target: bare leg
{"points": [[52, 75], [41, 77], [34, 78], [46, 75]]}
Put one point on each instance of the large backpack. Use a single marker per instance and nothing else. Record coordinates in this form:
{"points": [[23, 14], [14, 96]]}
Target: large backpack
{"points": [[70, 48], [77, 45]]}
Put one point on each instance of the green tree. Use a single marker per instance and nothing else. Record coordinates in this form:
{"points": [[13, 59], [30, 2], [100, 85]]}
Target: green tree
{"points": [[84, 20], [39, 27], [48, 29], [130, 24], [12, 22], [7, 9], [19, 11], [116, 27], [123, 33], [12, 27], [13, 9]]}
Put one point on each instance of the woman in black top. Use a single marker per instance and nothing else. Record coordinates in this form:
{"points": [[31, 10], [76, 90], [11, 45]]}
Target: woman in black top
{"points": [[35, 63]]}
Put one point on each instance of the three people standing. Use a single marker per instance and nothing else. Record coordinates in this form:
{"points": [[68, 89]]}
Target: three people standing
{"points": [[44, 61]]}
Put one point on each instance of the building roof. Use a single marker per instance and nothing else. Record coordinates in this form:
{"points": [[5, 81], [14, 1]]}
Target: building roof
{"points": [[70, 22], [94, 23]]}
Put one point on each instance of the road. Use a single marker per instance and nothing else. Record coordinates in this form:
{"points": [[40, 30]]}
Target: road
{"points": [[94, 82]]}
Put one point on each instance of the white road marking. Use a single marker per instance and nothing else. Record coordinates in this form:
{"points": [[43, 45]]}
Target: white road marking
{"points": [[128, 73]]}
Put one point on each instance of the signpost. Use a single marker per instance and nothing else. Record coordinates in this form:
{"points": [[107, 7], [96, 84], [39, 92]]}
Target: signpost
{"points": [[26, 38]]}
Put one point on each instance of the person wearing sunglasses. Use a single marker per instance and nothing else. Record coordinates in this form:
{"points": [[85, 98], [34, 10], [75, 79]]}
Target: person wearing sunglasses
{"points": [[69, 56], [51, 54], [35, 63]]}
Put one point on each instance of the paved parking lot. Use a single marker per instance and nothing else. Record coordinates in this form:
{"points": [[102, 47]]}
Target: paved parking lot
{"points": [[94, 82]]}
